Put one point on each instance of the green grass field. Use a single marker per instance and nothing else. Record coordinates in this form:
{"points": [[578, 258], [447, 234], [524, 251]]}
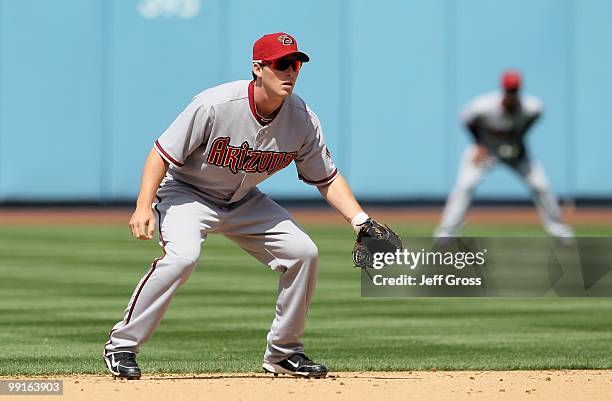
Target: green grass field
{"points": [[62, 289]]}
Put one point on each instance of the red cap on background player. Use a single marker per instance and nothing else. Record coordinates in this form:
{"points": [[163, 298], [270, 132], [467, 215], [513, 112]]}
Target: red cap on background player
{"points": [[273, 46], [511, 80]]}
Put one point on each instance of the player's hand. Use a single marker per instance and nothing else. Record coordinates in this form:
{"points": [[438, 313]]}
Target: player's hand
{"points": [[142, 223], [480, 155]]}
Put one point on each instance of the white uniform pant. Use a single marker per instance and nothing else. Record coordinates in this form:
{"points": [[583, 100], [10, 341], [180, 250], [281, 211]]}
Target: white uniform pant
{"points": [[259, 226], [470, 174]]}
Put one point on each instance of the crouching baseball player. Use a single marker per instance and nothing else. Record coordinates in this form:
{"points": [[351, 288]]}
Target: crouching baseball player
{"points": [[201, 176], [498, 122]]}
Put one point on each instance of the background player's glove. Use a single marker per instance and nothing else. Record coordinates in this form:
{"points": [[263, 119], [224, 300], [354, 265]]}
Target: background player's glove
{"points": [[510, 152], [372, 238]]}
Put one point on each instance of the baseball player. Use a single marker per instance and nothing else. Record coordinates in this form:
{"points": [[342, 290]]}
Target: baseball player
{"points": [[201, 177], [498, 122]]}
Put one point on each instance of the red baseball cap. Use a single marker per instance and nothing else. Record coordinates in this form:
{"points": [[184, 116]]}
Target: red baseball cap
{"points": [[273, 46], [511, 80]]}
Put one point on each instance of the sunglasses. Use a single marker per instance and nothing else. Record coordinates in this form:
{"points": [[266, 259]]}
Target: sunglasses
{"points": [[283, 63]]}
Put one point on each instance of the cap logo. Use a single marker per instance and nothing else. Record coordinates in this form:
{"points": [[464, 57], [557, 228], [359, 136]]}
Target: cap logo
{"points": [[286, 40]]}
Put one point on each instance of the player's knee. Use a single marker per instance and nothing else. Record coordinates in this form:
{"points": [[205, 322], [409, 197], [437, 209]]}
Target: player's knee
{"points": [[538, 188], [185, 263], [185, 259], [310, 250], [304, 249]]}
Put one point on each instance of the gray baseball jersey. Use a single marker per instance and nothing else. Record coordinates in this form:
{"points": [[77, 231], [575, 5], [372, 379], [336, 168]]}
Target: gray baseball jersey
{"points": [[219, 149], [219, 145], [501, 132]]}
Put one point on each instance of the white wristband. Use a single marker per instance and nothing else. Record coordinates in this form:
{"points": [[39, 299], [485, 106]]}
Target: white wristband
{"points": [[358, 220]]}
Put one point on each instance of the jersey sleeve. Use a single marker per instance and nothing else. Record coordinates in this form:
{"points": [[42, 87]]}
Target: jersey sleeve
{"points": [[314, 163], [533, 107], [188, 132], [471, 112]]}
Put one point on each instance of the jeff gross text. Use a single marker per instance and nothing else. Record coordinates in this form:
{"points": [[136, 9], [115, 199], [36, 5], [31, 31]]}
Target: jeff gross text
{"points": [[407, 259]]}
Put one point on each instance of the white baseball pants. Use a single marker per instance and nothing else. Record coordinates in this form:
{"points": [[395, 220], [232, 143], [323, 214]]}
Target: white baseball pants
{"points": [[259, 226], [470, 174]]}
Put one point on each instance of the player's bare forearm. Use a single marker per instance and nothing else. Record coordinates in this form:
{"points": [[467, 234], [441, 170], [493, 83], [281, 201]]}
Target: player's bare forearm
{"points": [[155, 169], [528, 125], [142, 222], [473, 129], [339, 195], [480, 153]]}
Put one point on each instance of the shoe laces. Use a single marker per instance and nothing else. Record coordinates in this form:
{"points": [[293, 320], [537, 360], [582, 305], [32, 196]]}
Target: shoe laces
{"points": [[302, 359]]}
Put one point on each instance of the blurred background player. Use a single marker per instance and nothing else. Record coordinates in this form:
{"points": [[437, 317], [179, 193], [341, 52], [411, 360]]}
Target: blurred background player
{"points": [[498, 122]]}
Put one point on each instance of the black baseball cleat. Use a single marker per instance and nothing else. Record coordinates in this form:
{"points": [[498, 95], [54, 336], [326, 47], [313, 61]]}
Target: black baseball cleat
{"points": [[296, 365], [122, 365]]}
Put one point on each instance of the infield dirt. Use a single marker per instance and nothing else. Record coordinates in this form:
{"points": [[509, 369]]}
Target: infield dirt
{"points": [[575, 385]]}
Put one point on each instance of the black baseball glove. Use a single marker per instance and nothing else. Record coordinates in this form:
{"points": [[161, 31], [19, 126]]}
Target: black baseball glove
{"points": [[372, 238], [510, 152]]}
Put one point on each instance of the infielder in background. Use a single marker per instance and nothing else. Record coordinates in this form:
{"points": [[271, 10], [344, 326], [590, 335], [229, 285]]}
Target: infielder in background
{"points": [[498, 122], [201, 178]]}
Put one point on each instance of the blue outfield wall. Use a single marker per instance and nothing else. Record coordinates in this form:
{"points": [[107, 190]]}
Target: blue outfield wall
{"points": [[87, 85]]}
